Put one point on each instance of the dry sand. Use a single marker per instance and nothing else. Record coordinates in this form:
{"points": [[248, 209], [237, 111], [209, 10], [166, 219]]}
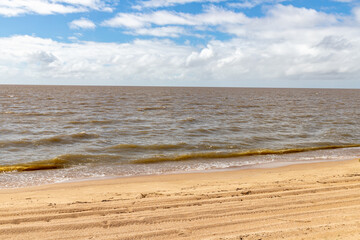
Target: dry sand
{"points": [[306, 201]]}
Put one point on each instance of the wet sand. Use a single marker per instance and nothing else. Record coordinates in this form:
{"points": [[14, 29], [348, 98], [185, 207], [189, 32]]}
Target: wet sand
{"points": [[304, 201]]}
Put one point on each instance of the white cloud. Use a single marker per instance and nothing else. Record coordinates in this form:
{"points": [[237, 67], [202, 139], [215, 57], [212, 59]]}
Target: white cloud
{"points": [[82, 23], [277, 17], [161, 62], [356, 13], [282, 23], [11, 8], [288, 45], [289, 16], [198, 58], [253, 3], [335, 42], [42, 57], [139, 20], [211, 16], [173, 32], [168, 3]]}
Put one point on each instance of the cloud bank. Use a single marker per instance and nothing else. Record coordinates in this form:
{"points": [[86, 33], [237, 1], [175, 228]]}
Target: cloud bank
{"points": [[169, 3], [288, 46], [11, 8]]}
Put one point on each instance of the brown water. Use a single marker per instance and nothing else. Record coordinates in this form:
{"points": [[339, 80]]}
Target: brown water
{"points": [[72, 133]]}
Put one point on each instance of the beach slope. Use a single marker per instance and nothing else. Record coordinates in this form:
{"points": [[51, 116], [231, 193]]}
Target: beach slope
{"points": [[305, 201]]}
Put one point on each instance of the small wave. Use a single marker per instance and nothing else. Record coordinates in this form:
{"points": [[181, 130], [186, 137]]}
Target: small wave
{"points": [[60, 139], [96, 122], [248, 106], [8, 112], [65, 139], [78, 122], [161, 147], [84, 135], [24, 113], [188, 119], [15, 143], [62, 161], [218, 154], [37, 114], [148, 147], [33, 166], [151, 108], [102, 121], [5, 131], [203, 130]]}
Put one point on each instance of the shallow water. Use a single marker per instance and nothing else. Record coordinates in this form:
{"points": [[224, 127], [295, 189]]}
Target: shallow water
{"points": [[75, 132]]}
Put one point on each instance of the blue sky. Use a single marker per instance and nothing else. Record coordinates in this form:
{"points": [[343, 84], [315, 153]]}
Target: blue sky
{"points": [[244, 43]]}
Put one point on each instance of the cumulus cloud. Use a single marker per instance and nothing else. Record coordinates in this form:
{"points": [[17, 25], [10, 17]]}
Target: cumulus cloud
{"points": [[211, 16], [162, 62], [290, 16], [138, 20], [287, 23], [335, 42], [168, 3], [235, 23], [12, 8], [253, 3], [42, 58], [87, 62], [82, 23], [172, 32], [285, 45], [356, 13]]}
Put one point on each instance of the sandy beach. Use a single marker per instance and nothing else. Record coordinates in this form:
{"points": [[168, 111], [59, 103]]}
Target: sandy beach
{"points": [[304, 201]]}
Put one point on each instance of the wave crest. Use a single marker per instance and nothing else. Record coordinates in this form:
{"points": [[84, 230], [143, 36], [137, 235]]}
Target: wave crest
{"points": [[59, 139], [217, 154], [62, 161]]}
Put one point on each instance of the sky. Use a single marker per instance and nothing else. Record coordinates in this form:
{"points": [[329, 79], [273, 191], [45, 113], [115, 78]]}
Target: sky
{"points": [[243, 43]]}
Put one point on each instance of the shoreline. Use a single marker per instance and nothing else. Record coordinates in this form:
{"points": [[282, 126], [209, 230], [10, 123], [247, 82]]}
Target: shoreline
{"points": [[266, 165], [306, 200], [235, 170], [260, 165]]}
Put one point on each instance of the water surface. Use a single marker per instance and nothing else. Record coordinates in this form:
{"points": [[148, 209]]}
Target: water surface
{"points": [[57, 133]]}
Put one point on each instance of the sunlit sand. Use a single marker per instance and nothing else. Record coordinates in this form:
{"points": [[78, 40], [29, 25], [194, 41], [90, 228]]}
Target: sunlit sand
{"points": [[306, 201]]}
